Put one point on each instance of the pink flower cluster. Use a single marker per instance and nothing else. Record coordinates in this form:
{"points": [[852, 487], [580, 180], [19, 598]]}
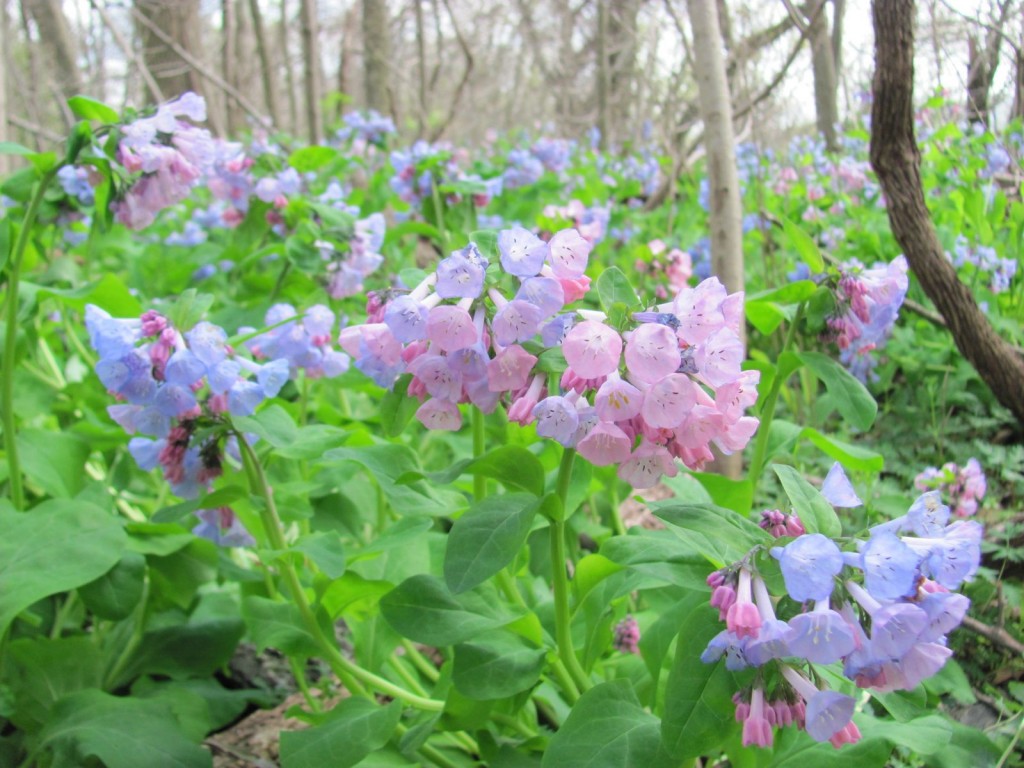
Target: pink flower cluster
{"points": [[965, 486], [171, 155], [675, 264], [664, 389]]}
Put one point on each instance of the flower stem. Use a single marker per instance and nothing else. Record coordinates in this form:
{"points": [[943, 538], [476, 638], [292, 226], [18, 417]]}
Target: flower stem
{"points": [[479, 481], [351, 674], [560, 580], [11, 340], [767, 413]]}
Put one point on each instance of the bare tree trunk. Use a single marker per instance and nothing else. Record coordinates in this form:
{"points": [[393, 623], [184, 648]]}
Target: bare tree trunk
{"points": [[349, 45], [375, 54], [55, 34], [977, 81], [825, 84], [603, 120], [725, 212], [179, 20], [421, 68], [1018, 85], [621, 51], [289, 76], [266, 70], [896, 159], [311, 62], [229, 61]]}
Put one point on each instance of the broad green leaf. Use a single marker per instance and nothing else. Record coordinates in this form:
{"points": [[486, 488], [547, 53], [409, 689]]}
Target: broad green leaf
{"points": [[737, 495], [720, 534], [120, 732], [795, 749], [657, 638], [852, 398], [397, 232], [815, 513], [13, 148], [904, 705], [698, 696], [661, 555], [325, 549], [496, 665], [487, 538], [613, 287], [273, 624], [178, 576], [41, 671], [90, 109], [272, 424], [804, 245], [353, 590], [851, 456], [790, 293], [924, 735], [422, 609], [348, 733], [765, 316], [54, 460], [397, 408], [512, 465], [57, 546], [608, 728], [311, 158], [115, 594]]}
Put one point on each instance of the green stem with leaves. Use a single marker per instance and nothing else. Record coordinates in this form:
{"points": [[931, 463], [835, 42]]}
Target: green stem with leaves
{"points": [[11, 339], [354, 677], [560, 580], [767, 412]]}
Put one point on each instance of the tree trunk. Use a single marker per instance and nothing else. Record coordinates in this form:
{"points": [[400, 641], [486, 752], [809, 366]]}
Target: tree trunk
{"points": [[977, 81], [825, 84], [375, 54], [1018, 85], [896, 159], [603, 120], [289, 75], [622, 46], [54, 33], [5, 132], [267, 75], [421, 68], [725, 214], [229, 61], [179, 19], [311, 64]]}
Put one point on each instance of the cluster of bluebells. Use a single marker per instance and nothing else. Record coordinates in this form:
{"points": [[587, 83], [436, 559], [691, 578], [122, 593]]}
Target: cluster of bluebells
{"points": [[882, 609], [984, 259], [174, 387], [348, 268], [413, 177], [170, 154], [76, 182], [964, 486], [663, 389], [369, 127], [868, 303]]}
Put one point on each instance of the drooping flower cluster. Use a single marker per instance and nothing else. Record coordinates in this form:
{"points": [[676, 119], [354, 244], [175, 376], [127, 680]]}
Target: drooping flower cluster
{"points": [[964, 486], [591, 222], [172, 383], [883, 610], [868, 305], [664, 388], [370, 127], [75, 181], [170, 154], [675, 265], [347, 269], [415, 168], [303, 342]]}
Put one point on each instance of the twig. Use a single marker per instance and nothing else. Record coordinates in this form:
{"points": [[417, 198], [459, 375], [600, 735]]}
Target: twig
{"points": [[129, 51], [457, 96], [997, 635], [202, 69], [32, 128]]}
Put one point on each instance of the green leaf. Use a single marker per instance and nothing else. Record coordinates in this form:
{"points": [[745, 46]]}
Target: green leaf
{"points": [[852, 398], [90, 109], [790, 293], [41, 671], [57, 546], [698, 696], [325, 549], [512, 465], [737, 495], [115, 594], [851, 456], [351, 731], [273, 624], [925, 735], [487, 538], [613, 287], [765, 316], [397, 232], [120, 732], [804, 245], [607, 728], [397, 408], [496, 665], [717, 533], [815, 513], [311, 158], [795, 749], [13, 148], [54, 460], [422, 609], [190, 307], [272, 424]]}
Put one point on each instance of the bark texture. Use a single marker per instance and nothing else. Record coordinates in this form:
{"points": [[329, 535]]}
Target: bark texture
{"points": [[826, 87], [55, 34], [896, 159], [311, 65], [179, 20], [375, 54]]}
